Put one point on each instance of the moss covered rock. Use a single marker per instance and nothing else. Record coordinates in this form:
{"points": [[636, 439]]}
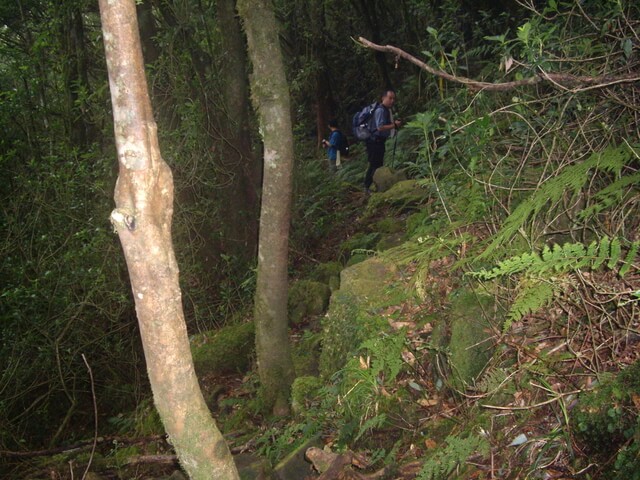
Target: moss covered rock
{"points": [[227, 350], [307, 297], [351, 317], [328, 273], [403, 196], [390, 241], [306, 353], [303, 390], [385, 178], [469, 344], [367, 280], [390, 225]]}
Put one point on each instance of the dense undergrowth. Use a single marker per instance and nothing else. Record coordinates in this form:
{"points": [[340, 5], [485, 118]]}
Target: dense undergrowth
{"points": [[530, 202], [533, 201]]}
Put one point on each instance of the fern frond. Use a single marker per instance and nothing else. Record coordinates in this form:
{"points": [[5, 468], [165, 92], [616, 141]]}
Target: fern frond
{"points": [[564, 258], [371, 424], [571, 180], [539, 273], [627, 263], [614, 254], [458, 449], [610, 195], [532, 297], [603, 253], [386, 355], [493, 380]]}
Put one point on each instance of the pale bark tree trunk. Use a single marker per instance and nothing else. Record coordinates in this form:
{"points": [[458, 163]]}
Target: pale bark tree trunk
{"points": [[142, 218], [270, 96]]}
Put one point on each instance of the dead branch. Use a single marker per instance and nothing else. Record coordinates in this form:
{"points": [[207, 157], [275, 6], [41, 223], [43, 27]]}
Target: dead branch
{"points": [[152, 459], [562, 80], [85, 445]]}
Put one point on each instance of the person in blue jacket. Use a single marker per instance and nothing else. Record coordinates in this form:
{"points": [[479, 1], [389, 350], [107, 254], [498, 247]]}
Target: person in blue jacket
{"points": [[333, 145], [382, 127]]}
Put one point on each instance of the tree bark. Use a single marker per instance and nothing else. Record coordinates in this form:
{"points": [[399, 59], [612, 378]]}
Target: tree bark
{"points": [[239, 162], [75, 74], [270, 96], [142, 218]]}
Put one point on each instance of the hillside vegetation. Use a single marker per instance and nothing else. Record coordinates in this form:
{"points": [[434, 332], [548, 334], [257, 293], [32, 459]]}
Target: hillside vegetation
{"points": [[476, 317]]}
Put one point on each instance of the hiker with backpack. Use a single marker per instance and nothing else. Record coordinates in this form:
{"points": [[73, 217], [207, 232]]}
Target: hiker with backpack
{"points": [[337, 145], [374, 125]]}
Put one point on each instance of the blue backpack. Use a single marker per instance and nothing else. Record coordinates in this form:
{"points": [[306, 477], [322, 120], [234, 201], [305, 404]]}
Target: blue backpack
{"points": [[361, 123]]}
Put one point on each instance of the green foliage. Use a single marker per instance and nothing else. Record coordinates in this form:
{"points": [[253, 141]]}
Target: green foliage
{"points": [[607, 420], [363, 404], [453, 456], [532, 295], [563, 258], [570, 181], [228, 349], [541, 273], [276, 441]]}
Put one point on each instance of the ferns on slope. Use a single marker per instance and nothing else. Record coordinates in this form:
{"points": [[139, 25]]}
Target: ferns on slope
{"points": [[571, 180], [540, 272], [457, 451]]}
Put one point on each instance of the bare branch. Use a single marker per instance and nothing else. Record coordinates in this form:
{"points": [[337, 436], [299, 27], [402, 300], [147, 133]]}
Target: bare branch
{"points": [[562, 80]]}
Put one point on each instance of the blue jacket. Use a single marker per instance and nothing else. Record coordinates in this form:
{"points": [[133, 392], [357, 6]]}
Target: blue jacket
{"points": [[334, 144]]}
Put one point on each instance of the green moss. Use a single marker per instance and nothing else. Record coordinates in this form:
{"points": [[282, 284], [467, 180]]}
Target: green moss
{"points": [[328, 273], [607, 420], [385, 178], [404, 195], [357, 258], [469, 343], [302, 391], [390, 241], [227, 350], [420, 223], [306, 353], [390, 225], [307, 297]]}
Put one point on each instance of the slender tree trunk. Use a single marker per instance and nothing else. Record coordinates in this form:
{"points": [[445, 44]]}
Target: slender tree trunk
{"points": [[142, 218], [75, 73], [325, 103], [240, 218], [367, 9], [270, 95]]}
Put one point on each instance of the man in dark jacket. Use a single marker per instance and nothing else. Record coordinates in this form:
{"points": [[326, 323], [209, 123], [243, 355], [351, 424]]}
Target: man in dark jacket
{"points": [[382, 127]]}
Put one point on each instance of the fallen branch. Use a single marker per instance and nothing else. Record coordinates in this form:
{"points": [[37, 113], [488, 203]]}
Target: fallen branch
{"points": [[152, 459], [85, 445], [562, 80]]}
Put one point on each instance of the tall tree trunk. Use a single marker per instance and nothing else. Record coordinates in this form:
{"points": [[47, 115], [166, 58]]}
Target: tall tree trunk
{"points": [[325, 102], [240, 219], [75, 74], [142, 218], [367, 9], [270, 96]]}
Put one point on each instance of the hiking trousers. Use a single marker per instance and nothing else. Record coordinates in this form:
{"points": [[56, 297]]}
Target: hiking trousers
{"points": [[375, 156]]}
